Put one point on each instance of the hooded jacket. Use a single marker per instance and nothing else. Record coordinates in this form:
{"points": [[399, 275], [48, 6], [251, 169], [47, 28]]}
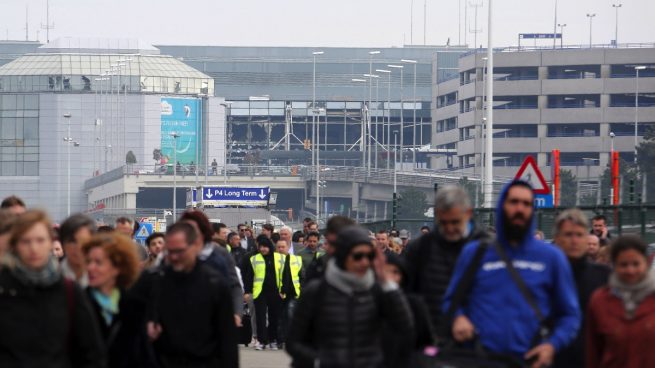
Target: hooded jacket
{"points": [[504, 321]]}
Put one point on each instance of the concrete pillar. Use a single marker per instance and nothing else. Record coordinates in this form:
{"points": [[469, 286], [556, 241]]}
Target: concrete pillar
{"points": [[605, 71], [542, 131], [541, 160], [542, 102], [355, 197], [604, 100], [543, 72]]}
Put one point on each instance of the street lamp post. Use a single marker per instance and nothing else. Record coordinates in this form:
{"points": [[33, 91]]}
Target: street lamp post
{"points": [[371, 140], [616, 24], [413, 112], [318, 172], [175, 136], [68, 141], [488, 174], [394, 211], [387, 113], [315, 132], [227, 149], [637, 69], [370, 100], [402, 112], [561, 32], [591, 22]]}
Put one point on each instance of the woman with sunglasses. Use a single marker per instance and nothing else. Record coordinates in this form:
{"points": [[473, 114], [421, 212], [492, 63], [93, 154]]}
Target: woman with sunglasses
{"points": [[621, 316], [339, 319]]}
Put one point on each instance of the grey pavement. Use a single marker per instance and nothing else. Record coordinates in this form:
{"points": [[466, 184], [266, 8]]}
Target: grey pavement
{"points": [[263, 359]]}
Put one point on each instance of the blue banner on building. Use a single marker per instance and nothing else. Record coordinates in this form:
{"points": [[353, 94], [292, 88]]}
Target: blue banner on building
{"points": [[182, 117]]}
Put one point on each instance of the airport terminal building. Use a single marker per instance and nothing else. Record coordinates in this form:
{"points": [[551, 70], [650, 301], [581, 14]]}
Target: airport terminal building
{"points": [[74, 110]]}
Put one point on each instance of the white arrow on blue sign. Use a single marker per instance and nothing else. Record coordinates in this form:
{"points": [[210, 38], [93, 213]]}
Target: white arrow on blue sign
{"points": [[236, 195]]}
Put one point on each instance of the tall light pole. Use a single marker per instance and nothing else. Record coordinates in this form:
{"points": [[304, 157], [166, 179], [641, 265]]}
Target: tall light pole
{"points": [[370, 100], [555, 28], [402, 112], [68, 141], [591, 22], [616, 24], [561, 32], [225, 105], [637, 69], [175, 136], [489, 149], [369, 122], [318, 172], [413, 112], [394, 211], [314, 130], [387, 113]]}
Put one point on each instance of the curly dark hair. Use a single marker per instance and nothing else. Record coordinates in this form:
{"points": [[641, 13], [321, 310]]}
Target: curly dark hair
{"points": [[122, 254]]}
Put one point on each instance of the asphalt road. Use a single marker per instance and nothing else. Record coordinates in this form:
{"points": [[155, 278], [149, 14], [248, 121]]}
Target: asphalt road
{"points": [[263, 359]]}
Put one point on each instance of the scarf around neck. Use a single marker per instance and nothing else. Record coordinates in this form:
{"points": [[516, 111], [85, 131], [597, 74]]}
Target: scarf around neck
{"points": [[632, 295], [47, 276], [108, 304], [347, 282]]}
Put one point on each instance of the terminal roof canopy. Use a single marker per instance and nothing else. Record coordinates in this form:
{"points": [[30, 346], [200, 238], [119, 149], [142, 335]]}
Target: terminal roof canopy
{"points": [[96, 65]]}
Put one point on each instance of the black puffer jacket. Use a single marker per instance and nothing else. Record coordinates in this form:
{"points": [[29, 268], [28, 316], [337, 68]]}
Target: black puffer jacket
{"points": [[430, 265], [335, 329], [47, 326]]}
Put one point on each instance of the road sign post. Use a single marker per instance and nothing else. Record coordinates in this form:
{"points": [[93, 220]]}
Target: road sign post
{"points": [[530, 173]]}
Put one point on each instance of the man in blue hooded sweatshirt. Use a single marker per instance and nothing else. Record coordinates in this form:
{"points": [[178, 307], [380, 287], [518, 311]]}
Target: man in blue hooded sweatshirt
{"points": [[495, 310]]}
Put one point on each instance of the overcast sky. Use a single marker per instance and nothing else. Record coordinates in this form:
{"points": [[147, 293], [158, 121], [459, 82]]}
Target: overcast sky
{"points": [[322, 22]]}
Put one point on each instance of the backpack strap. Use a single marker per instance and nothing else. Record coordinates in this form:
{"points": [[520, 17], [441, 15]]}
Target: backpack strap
{"points": [[69, 286], [523, 289], [465, 283]]}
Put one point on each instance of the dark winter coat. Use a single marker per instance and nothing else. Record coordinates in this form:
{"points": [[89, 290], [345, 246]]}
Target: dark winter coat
{"points": [[125, 338], [340, 330], [196, 316], [430, 264], [50, 327], [588, 278]]}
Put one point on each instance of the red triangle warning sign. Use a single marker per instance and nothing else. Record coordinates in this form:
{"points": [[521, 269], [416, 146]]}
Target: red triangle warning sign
{"points": [[530, 173]]}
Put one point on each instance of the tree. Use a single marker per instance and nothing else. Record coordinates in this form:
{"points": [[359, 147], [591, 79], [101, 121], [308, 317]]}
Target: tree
{"points": [[627, 173], [471, 188], [412, 204], [130, 158], [568, 188]]}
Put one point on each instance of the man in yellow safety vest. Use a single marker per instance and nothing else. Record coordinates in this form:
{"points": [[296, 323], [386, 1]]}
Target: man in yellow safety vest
{"points": [[262, 283]]}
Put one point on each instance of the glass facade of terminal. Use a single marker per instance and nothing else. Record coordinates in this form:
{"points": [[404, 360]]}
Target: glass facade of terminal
{"points": [[102, 73], [19, 135]]}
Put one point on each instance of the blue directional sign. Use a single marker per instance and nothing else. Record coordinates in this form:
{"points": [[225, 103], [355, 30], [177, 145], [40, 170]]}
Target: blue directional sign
{"points": [[235, 196], [543, 201], [145, 229]]}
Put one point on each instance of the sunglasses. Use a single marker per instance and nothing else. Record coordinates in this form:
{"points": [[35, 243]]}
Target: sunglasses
{"points": [[358, 256]]}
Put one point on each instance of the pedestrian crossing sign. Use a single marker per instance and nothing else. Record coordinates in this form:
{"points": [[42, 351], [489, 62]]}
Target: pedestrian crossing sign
{"points": [[530, 173], [145, 229]]}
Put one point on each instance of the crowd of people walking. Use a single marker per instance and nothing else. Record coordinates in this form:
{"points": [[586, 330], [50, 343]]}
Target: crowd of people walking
{"points": [[457, 294]]}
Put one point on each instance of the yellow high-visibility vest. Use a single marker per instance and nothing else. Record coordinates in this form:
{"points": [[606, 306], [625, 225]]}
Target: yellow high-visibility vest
{"points": [[295, 265], [259, 268]]}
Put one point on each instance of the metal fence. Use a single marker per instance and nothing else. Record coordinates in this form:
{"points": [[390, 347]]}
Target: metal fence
{"points": [[626, 219]]}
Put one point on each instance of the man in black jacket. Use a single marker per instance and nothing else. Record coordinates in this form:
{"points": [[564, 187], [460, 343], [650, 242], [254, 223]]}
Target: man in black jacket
{"points": [[236, 251], [190, 310], [335, 224], [431, 258], [571, 237]]}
